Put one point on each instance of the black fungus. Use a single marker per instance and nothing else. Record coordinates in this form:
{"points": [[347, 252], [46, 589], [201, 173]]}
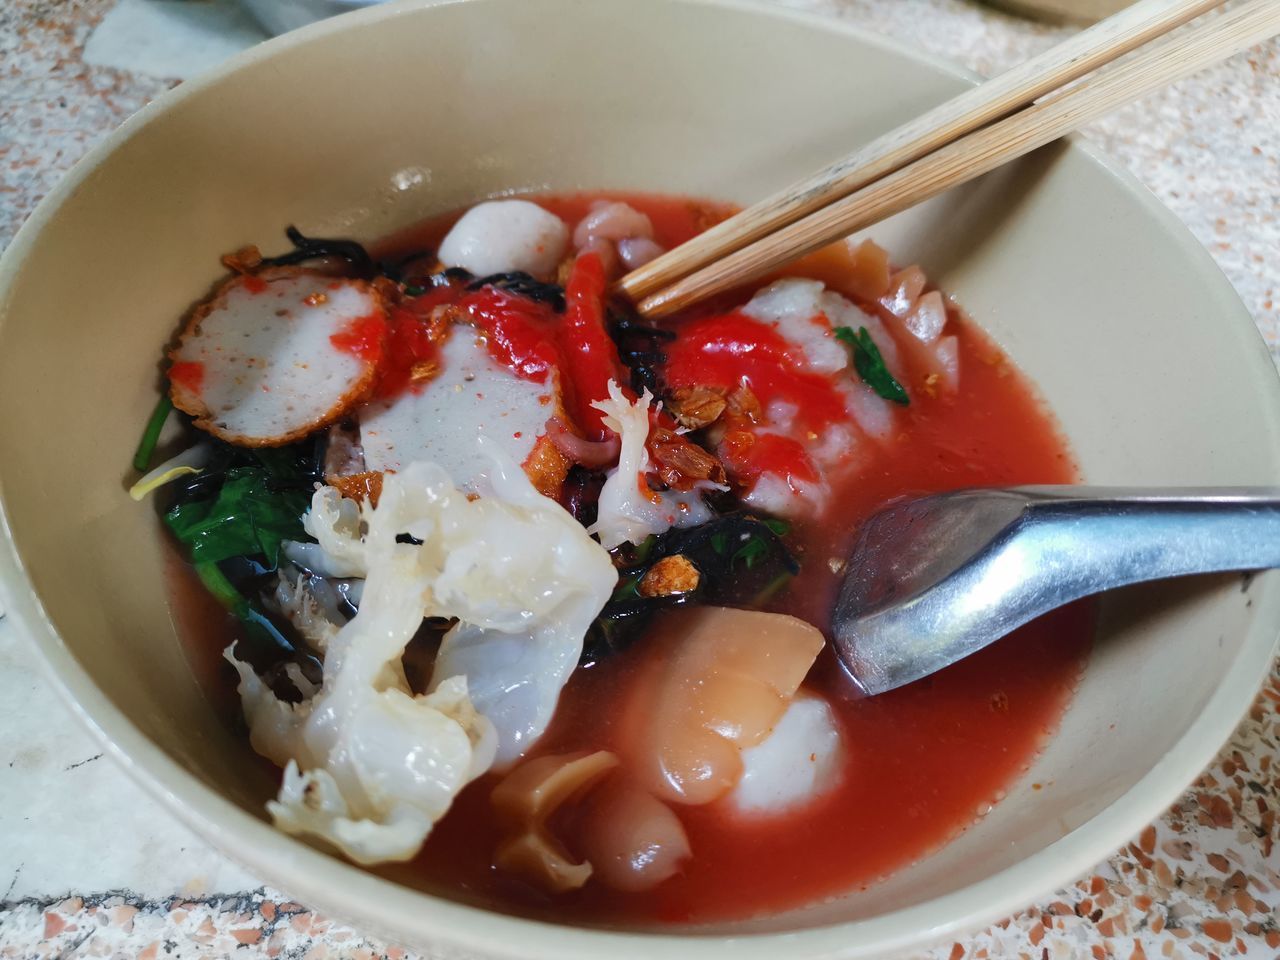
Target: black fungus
{"points": [[524, 285], [741, 557], [581, 493], [313, 248], [640, 350]]}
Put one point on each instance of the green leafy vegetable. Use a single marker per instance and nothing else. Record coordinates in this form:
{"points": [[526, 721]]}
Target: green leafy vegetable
{"points": [[753, 550], [754, 545], [247, 517], [287, 464], [258, 626], [871, 366], [151, 435]]}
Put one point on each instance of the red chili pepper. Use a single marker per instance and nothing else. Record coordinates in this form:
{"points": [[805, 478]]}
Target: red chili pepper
{"points": [[521, 333], [590, 354]]}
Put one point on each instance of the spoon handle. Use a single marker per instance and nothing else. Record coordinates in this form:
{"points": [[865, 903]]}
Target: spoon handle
{"points": [[1101, 537]]}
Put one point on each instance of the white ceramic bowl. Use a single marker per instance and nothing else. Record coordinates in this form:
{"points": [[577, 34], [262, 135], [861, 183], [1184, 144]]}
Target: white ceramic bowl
{"points": [[366, 123]]}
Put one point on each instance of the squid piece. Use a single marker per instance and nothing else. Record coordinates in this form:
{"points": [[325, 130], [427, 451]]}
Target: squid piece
{"points": [[619, 234], [273, 357], [527, 798], [632, 840], [921, 318], [720, 682]]}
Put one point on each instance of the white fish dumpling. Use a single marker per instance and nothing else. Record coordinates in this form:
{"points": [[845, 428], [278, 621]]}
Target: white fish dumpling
{"points": [[501, 236], [522, 624]]}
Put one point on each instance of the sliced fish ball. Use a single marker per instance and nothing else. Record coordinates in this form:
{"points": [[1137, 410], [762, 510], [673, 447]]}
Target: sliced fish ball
{"points": [[273, 358], [502, 236], [471, 396], [799, 761]]}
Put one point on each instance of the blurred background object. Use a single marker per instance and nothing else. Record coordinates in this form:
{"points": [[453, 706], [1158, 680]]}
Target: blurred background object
{"points": [[1063, 11], [279, 16]]}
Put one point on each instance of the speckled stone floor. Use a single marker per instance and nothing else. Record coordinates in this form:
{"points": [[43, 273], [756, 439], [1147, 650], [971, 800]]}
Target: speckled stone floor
{"points": [[1202, 881]]}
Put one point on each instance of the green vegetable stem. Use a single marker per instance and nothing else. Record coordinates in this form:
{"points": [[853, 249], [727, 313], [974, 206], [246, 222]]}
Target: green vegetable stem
{"points": [[151, 435]]}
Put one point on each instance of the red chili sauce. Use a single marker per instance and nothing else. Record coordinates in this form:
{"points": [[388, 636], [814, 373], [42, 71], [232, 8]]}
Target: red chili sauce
{"points": [[922, 762]]}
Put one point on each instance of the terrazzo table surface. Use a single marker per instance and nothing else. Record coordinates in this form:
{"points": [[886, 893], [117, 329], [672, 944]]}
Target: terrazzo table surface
{"points": [[91, 867]]}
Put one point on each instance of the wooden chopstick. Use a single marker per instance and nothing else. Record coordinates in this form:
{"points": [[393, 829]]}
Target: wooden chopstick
{"points": [[1011, 90], [980, 152]]}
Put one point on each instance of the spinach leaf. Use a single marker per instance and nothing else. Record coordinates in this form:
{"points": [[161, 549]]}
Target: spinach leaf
{"points": [[249, 516], [871, 366]]}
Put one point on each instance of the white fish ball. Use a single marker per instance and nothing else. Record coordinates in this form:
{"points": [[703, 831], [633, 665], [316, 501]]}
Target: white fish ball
{"points": [[501, 236]]}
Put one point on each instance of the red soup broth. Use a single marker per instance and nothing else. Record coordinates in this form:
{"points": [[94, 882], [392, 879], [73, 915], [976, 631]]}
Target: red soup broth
{"points": [[921, 763]]}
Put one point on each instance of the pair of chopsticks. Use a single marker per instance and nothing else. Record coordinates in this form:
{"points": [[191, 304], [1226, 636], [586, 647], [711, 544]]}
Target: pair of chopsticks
{"points": [[1000, 120]]}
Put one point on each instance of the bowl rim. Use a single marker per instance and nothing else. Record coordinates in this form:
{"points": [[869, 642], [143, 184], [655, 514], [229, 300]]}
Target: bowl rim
{"points": [[401, 913]]}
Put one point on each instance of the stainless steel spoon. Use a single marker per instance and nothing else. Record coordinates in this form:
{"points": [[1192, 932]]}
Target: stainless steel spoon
{"points": [[931, 580]]}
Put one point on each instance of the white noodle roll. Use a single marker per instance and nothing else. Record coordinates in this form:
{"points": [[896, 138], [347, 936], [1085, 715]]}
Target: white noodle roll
{"points": [[369, 766], [522, 624]]}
